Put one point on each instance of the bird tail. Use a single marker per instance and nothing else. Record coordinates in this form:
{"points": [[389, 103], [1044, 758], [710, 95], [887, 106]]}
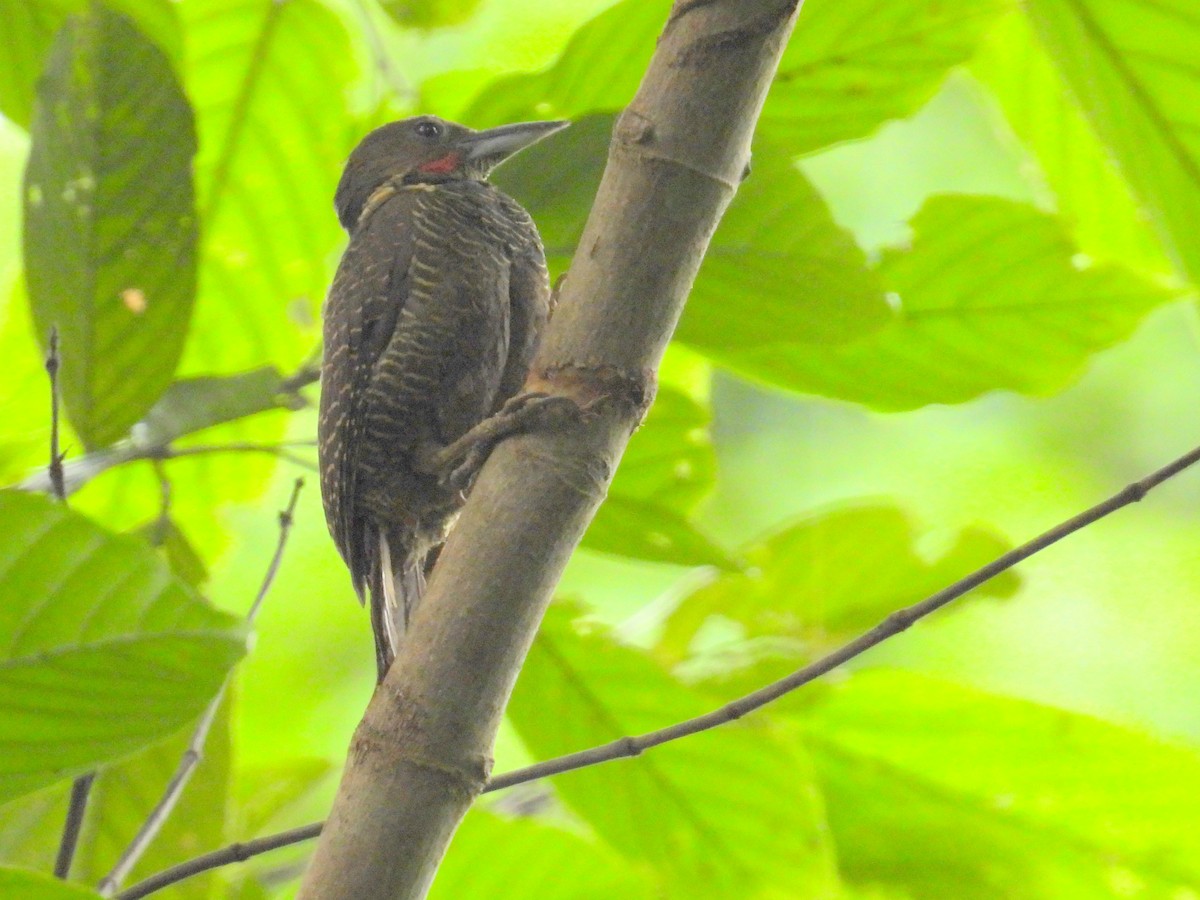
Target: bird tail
{"points": [[397, 582]]}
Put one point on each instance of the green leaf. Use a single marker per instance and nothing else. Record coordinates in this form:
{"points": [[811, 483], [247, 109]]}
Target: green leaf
{"points": [[670, 459], [430, 13], [830, 576], [669, 466], [598, 70], [991, 295], [124, 794], [625, 526], [30, 26], [852, 65], [269, 82], [102, 650], [716, 815], [176, 549], [1131, 64], [110, 221], [1092, 197], [264, 794], [539, 860], [779, 275], [194, 404], [35, 886], [947, 791]]}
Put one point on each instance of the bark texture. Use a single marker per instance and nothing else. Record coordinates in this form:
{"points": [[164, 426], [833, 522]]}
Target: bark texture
{"points": [[421, 754]]}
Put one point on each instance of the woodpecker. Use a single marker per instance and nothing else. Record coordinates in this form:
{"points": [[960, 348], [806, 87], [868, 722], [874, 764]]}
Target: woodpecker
{"points": [[429, 328]]}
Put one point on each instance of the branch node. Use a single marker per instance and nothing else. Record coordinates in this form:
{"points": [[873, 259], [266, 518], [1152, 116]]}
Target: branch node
{"points": [[596, 387]]}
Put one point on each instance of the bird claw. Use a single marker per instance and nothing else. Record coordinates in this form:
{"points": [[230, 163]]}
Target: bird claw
{"points": [[457, 464]]}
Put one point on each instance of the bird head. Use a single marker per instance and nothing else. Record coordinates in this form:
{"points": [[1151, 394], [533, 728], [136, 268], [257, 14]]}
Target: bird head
{"points": [[428, 149]]}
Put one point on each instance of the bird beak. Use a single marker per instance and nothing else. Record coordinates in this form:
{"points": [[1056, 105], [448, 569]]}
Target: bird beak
{"points": [[495, 145]]}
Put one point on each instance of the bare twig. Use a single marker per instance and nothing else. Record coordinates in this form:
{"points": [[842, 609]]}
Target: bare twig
{"points": [[233, 853], [195, 750], [626, 747], [382, 58], [79, 471], [82, 787], [55, 469]]}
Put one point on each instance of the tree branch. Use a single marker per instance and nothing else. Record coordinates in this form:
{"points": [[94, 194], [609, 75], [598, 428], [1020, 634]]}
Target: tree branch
{"points": [[195, 749], [421, 754], [626, 747]]}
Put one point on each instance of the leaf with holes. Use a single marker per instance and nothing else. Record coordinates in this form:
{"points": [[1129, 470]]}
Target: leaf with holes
{"points": [[715, 815], [269, 81], [110, 229], [102, 650], [990, 296], [644, 529], [1091, 194], [1132, 66], [29, 29], [670, 459]]}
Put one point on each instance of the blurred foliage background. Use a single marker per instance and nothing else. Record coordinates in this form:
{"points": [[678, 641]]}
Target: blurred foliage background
{"points": [[952, 306]]}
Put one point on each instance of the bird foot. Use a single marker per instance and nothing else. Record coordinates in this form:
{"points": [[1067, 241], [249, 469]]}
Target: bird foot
{"points": [[457, 464]]}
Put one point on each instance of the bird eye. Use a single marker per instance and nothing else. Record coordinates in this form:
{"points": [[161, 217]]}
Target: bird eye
{"points": [[429, 129]]}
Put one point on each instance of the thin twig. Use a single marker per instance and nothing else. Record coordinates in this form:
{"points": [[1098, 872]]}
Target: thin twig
{"points": [[81, 788], [82, 469], [195, 750], [632, 746], [278, 450], [55, 469], [382, 59], [162, 525], [233, 853]]}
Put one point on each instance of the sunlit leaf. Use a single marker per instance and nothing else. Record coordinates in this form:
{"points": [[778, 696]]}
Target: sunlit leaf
{"points": [[102, 650], [716, 815], [29, 885], [947, 791], [29, 28], [430, 13], [269, 83], [194, 404], [832, 575], [990, 296], [779, 275], [643, 529], [266, 793], [123, 795], [177, 550], [1131, 64], [536, 861], [670, 459], [110, 222], [1092, 197], [850, 66]]}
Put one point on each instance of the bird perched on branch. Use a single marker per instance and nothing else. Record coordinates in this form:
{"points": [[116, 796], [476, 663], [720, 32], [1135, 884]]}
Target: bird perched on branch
{"points": [[430, 326]]}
